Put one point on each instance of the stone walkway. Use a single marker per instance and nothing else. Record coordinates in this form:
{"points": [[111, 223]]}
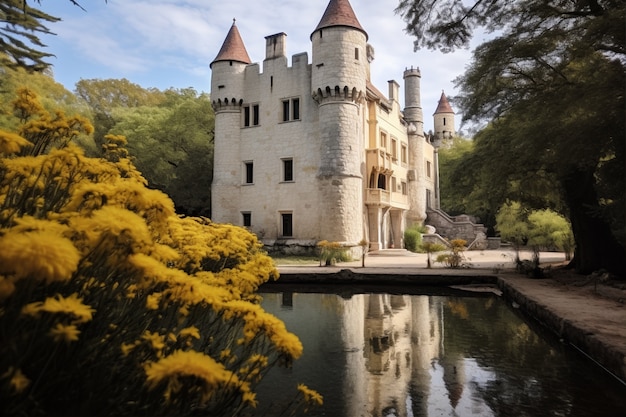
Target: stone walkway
{"points": [[586, 316]]}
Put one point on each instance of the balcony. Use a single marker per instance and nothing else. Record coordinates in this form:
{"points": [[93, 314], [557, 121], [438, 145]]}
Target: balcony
{"points": [[377, 197]]}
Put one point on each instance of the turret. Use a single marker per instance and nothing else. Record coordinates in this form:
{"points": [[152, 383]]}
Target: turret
{"points": [[338, 85], [227, 96], [444, 119], [417, 144], [227, 79], [339, 54]]}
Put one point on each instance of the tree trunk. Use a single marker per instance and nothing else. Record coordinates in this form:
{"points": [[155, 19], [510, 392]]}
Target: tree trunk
{"points": [[596, 246]]}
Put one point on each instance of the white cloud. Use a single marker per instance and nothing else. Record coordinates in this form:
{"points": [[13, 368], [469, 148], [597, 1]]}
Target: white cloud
{"points": [[164, 43]]}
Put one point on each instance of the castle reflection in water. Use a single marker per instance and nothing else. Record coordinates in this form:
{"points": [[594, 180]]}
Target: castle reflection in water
{"points": [[375, 354]]}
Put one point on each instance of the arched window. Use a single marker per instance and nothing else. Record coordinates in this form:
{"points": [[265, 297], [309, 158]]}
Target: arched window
{"points": [[382, 182]]}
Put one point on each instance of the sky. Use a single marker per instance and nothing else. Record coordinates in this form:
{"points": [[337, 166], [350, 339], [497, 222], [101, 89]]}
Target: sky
{"points": [[171, 43]]}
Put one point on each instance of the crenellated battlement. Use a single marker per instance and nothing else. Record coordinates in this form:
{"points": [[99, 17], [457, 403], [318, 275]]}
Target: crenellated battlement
{"points": [[338, 94]]}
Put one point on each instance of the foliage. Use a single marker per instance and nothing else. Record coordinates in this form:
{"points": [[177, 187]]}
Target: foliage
{"points": [[460, 193], [413, 237], [539, 229], [511, 222], [20, 46], [172, 145], [332, 252], [550, 85], [104, 96], [170, 136], [549, 230], [430, 248], [455, 258], [110, 304]]}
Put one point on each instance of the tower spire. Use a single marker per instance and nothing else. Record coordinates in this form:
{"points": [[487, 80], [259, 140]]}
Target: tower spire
{"points": [[233, 48], [339, 13], [444, 105]]}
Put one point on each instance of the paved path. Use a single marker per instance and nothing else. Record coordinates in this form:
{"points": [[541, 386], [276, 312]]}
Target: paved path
{"points": [[594, 324]]}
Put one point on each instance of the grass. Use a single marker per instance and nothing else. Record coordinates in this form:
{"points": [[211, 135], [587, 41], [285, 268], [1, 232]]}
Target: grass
{"points": [[295, 260]]}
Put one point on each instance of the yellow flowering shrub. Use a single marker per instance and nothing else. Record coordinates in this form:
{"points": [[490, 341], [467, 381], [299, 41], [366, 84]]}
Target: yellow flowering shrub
{"points": [[110, 303]]}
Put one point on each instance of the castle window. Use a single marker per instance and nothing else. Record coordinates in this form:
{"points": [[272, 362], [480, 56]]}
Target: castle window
{"points": [[291, 109], [288, 170], [394, 149], [383, 140], [249, 172], [382, 182], [255, 115], [403, 154], [428, 169], [251, 115], [444, 121], [393, 185], [403, 186], [246, 218], [286, 220], [356, 53]]}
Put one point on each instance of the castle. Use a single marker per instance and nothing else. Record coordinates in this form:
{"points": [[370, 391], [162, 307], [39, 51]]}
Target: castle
{"points": [[314, 151]]}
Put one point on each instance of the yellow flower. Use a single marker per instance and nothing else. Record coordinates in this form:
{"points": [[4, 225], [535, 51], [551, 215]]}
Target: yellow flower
{"points": [[156, 340], [152, 301], [11, 143], [310, 396], [18, 381], [190, 363], [64, 333], [128, 347], [71, 305], [191, 331], [250, 398], [40, 255]]}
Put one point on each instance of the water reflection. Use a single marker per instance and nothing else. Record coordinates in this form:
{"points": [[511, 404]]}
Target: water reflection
{"points": [[389, 355]]}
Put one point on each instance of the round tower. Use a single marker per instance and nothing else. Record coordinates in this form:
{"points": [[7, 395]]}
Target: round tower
{"points": [[227, 94], [338, 85], [417, 142], [444, 119]]}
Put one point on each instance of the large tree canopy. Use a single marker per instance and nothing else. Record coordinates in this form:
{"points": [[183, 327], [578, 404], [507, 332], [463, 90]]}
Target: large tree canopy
{"points": [[550, 83]]}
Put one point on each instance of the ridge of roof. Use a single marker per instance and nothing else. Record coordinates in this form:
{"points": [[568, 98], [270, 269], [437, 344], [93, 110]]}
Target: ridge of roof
{"points": [[339, 13], [233, 48], [444, 105]]}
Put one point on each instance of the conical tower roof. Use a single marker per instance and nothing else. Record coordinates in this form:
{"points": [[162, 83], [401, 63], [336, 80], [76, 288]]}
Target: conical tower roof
{"points": [[339, 13], [444, 105], [233, 48]]}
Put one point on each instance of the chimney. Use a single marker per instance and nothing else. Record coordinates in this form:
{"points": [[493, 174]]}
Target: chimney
{"points": [[276, 46]]}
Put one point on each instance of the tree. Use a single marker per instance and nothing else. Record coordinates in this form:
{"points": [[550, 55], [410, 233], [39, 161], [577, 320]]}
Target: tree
{"points": [[550, 83], [430, 248], [20, 46], [104, 96], [172, 144], [512, 223], [549, 230]]}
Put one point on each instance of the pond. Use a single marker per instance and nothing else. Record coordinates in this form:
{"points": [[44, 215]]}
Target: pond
{"points": [[436, 353]]}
